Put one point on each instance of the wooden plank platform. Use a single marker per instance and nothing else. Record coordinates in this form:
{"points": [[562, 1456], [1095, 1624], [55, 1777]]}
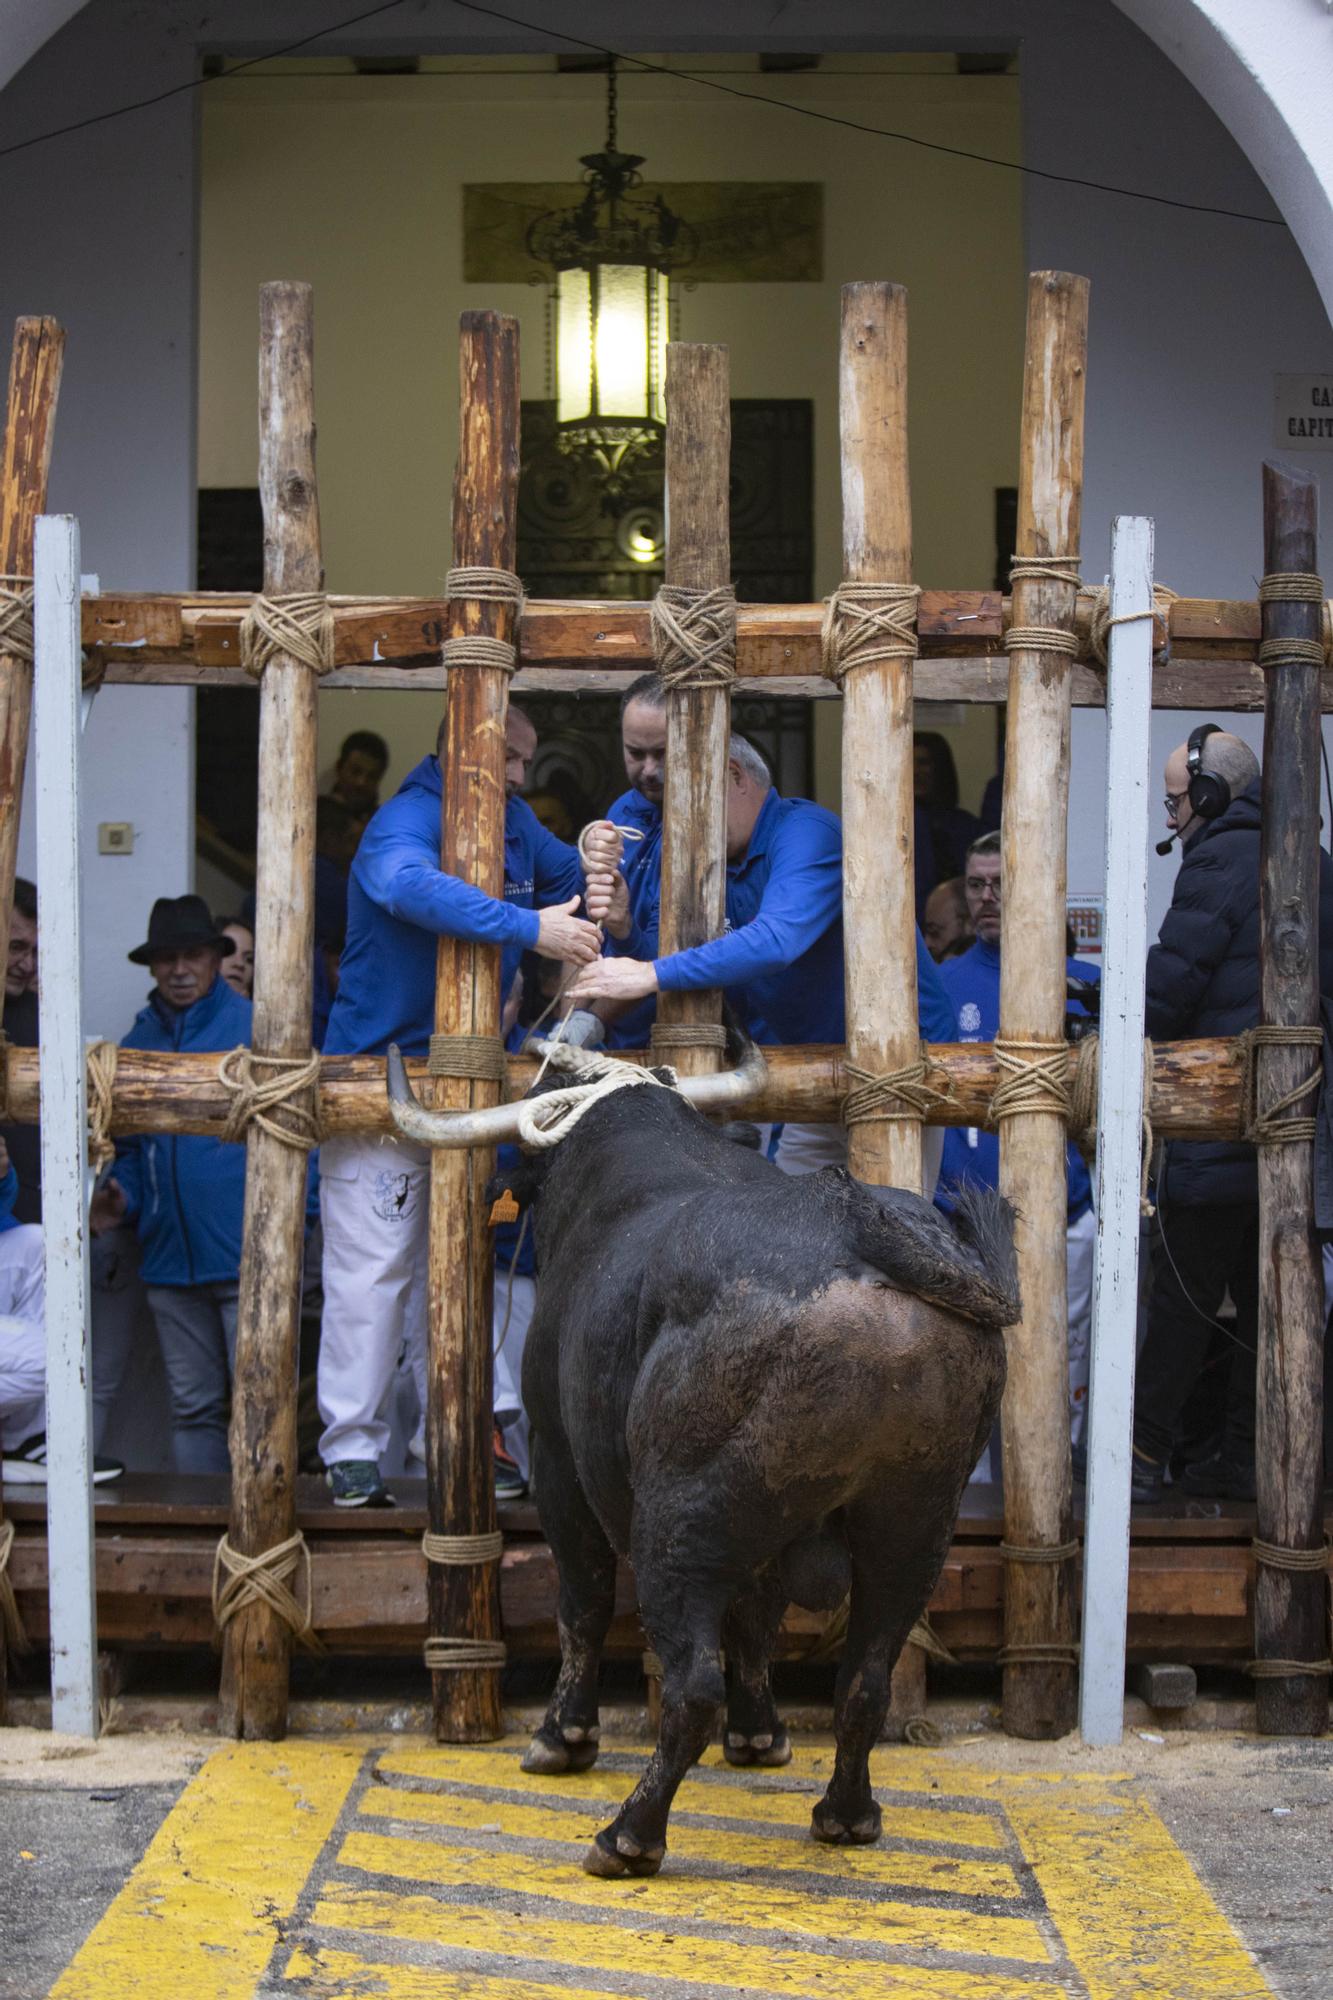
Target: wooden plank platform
{"points": [[1191, 1574]]}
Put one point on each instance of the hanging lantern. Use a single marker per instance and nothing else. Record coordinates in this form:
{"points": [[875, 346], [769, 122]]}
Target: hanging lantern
{"points": [[610, 260]]}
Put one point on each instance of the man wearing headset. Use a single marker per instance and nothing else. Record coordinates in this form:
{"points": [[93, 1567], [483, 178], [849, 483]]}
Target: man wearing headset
{"points": [[1203, 979]]}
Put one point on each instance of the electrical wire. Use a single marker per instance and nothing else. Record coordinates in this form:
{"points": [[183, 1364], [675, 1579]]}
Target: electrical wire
{"points": [[644, 63]]}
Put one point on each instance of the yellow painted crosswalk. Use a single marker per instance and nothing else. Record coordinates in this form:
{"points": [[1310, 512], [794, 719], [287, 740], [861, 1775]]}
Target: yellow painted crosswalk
{"points": [[420, 1872]]}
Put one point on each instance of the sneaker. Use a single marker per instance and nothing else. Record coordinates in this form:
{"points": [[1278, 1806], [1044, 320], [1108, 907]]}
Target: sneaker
{"points": [[25, 1465], [356, 1482], [1147, 1479], [1221, 1476], [508, 1479]]}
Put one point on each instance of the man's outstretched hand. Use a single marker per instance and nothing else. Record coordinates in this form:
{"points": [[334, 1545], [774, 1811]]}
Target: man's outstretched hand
{"points": [[560, 934], [614, 979]]}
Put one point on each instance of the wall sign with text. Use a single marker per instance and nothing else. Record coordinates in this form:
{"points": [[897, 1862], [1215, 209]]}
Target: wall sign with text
{"points": [[1303, 412]]}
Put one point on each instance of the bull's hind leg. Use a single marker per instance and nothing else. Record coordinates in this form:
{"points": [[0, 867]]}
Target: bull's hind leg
{"points": [[892, 1578], [755, 1733], [567, 1739]]}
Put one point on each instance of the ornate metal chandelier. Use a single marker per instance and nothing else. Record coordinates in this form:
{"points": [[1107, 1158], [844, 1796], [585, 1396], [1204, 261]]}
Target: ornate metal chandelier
{"points": [[609, 306]]}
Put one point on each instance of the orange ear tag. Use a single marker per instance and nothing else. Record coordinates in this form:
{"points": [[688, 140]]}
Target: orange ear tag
{"points": [[503, 1209]]}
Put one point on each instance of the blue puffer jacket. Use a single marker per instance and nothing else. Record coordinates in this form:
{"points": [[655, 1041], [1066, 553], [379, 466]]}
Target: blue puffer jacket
{"points": [[186, 1195], [9, 1194], [1203, 979], [400, 902]]}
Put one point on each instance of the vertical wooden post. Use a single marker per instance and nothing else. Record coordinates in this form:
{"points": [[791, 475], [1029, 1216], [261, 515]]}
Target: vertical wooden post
{"points": [[256, 1647], [694, 808], [1290, 1615], [1120, 1135], [25, 460], [1039, 1676], [65, 1181], [464, 1600], [878, 886]]}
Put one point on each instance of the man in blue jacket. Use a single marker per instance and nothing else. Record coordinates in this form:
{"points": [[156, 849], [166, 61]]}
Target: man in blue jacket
{"points": [[374, 1192], [780, 959], [186, 1195], [971, 1156]]}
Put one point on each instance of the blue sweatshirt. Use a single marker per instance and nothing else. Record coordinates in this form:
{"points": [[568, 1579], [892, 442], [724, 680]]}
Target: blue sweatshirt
{"points": [[400, 902], [9, 1194], [186, 1194], [971, 1155], [780, 959], [641, 866]]}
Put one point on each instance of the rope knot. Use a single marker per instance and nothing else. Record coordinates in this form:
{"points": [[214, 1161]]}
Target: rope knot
{"points": [[694, 636], [892, 1094], [1101, 623], [865, 623], [297, 625], [16, 634], [262, 1579], [1034, 1078], [1264, 1125], [101, 1059], [270, 1101]]}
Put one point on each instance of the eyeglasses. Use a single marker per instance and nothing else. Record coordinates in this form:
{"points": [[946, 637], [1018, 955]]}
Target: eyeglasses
{"points": [[982, 885], [1172, 803]]}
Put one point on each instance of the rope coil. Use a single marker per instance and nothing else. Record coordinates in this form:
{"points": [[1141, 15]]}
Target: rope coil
{"points": [[1041, 639], [101, 1061], [476, 651], [467, 1055], [687, 1035], [891, 1094], [1276, 1555], [270, 1103], [262, 1579], [1281, 1670], [1022, 1552], [1035, 1078], [457, 1551], [297, 625], [1291, 586], [1291, 653], [866, 623], [484, 586], [1046, 569], [451, 1656], [1102, 623], [1037, 1653], [11, 1618], [694, 636], [1266, 1127], [16, 601]]}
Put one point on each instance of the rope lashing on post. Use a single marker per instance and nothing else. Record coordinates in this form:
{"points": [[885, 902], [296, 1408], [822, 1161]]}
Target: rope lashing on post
{"points": [[1041, 639], [453, 1656], [687, 1035], [865, 623], [270, 1102], [101, 1059], [298, 625], [1022, 1552], [1034, 1079], [16, 599], [882, 1095], [1102, 623], [1038, 1653], [457, 1551], [694, 636], [11, 1618], [1046, 569], [1276, 1555], [1267, 1127], [1297, 586], [1083, 1109], [1044, 638], [262, 1579], [1281, 1670], [483, 586], [479, 1056]]}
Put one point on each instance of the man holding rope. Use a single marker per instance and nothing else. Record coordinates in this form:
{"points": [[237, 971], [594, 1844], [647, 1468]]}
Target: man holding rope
{"points": [[373, 1192]]}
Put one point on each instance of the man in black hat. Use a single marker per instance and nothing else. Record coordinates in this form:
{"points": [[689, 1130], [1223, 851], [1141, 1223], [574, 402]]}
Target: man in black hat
{"points": [[186, 1194]]}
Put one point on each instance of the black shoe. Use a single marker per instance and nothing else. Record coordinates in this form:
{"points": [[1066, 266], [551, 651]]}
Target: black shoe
{"points": [[1222, 1476], [25, 1465], [1147, 1479]]}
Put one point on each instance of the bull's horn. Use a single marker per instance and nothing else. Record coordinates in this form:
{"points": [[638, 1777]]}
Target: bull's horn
{"points": [[731, 1087], [490, 1127]]}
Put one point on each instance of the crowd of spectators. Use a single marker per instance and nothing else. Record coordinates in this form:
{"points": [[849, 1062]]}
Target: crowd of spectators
{"points": [[167, 1216]]}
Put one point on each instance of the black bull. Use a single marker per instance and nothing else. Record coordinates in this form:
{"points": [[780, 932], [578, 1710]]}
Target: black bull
{"points": [[759, 1389]]}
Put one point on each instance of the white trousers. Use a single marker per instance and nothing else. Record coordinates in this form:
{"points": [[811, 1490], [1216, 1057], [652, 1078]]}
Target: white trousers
{"points": [[804, 1149], [1080, 1246], [22, 1335], [374, 1198]]}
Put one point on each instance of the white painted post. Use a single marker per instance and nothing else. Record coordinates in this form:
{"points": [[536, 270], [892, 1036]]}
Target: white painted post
{"points": [[1119, 1128], [57, 706]]}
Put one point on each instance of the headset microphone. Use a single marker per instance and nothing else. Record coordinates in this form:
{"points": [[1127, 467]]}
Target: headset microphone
{"points": [[1164, 846]]}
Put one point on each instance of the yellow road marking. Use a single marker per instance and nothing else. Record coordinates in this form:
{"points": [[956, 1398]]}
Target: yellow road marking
{"points": [[328, 1973], [882, 1863], [200, 1913], [734, 1798], [749, 1902], [656, 1950], [1124, 1896]]}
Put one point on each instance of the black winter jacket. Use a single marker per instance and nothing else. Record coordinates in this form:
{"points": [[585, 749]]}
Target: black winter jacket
{"points": [[1203, 979]]}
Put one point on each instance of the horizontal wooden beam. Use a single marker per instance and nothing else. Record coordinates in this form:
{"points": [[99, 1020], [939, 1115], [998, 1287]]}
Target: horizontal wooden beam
{"points": [[159, 641], [1196, 1088]]}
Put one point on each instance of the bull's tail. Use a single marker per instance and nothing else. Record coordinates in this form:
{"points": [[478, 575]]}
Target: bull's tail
{"points": [[965, 1263]]}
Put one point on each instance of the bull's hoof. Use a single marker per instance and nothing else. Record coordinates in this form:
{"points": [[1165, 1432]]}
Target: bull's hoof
{"points": [[769, 1749], [826, 1826], [612, 1859], [549, 1754]]}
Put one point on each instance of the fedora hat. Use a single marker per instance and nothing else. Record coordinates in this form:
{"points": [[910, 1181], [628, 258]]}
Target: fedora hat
{"points": [[180, 923]]}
